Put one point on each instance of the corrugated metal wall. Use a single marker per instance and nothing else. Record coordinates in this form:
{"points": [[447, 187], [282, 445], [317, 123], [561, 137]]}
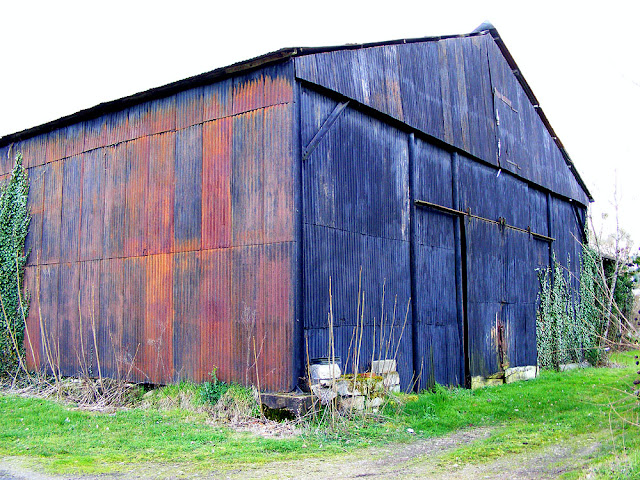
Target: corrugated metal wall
{"points": [[170, 224], [454, 89], [357, 213], [171, 227], [356, 233]]}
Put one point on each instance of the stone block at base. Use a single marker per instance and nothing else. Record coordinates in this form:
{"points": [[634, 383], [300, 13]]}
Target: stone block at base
{"points": [[296, 404], [516, 374], [480, 382], [351, 404], [381, 367]]}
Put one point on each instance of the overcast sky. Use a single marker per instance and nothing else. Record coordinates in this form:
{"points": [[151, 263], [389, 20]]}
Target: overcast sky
{"points": [[582, 62]]}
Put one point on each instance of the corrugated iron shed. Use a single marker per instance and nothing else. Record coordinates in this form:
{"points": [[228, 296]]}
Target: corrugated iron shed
{"points": [[199, 224]]}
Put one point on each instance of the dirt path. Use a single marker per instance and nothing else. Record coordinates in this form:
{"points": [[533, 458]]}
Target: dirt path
{"points": [[418, 460]]}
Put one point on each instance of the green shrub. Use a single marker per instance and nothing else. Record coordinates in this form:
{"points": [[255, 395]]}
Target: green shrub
{"points": [[210, 392]]}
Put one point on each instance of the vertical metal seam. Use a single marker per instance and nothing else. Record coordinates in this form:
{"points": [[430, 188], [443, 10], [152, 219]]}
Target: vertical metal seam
{"points": [[298, 349], [550, 231], [460, 300], [412, 257]]}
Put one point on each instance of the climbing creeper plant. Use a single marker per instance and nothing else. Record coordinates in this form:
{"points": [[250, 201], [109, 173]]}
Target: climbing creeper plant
{"points": [[14, 225], [567, 330], [555, 325]]}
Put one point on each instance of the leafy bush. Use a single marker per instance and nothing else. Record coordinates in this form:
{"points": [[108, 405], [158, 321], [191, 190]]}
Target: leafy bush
{"points": [[14, 225], [210, 392], [231, 401]]}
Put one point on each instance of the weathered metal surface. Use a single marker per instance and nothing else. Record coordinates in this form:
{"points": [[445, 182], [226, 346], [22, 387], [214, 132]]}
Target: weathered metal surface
{"points": [[189, 109], [156, 351], [173, 222], [217, 100], [51, 219], [356, 234], [160, 193], [136, 176], [35, 201], [438, 343], [134, 238], [71, 205], [92, 214], [115, 200], [446, 88], [216, 183], [187, 211]]}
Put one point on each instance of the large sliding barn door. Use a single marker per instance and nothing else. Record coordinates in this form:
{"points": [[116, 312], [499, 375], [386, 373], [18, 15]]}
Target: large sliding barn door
{"points": [[437, 271], [506, 239]]}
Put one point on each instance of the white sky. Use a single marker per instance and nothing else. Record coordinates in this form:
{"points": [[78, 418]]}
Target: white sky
{"points": [[582, 61]]}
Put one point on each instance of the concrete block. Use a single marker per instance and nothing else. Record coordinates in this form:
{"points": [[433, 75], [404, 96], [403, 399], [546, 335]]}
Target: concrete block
{"points": [[296, 404], [324, 373], [516, 374], [480, 382], [351, 404], [391, 379], [324, 394], [345, 388], [374, 404], [382, 367]]}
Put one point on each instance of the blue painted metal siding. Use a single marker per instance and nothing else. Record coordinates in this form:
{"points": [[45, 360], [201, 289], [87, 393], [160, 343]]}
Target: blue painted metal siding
{"points": [[356, 220], [459, 90]]}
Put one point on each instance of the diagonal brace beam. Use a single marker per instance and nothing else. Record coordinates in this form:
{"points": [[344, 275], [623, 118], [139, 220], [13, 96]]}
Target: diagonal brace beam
{"points": [[324, 129]]}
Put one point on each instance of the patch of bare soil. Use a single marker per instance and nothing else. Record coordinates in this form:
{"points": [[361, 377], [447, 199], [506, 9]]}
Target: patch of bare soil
{"points": [[418, 460]]}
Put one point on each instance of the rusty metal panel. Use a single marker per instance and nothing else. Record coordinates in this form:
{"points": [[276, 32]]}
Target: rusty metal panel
{"points": [[217, 100], [263, 312], [136, 179], [115, 130], [32, 340], [55, 146], [138, 122], [133, 319], [216, 327], [187, 210], [35, 202], [217, 147], [248, 92], [186, 320], [34, 152], [247, 182], [71, 203], [92, 215], [157, 347], [93, 133], [89, 314], [115, 165], [162, 115], [6, 159], [52, 214], [278, 174], [68, 318], [50, 331], [189, 108], [277, 84], [73, 139], [111, 314], [160, 194]]}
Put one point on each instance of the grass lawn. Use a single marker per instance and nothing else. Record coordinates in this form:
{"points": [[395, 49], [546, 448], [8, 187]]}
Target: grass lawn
{"points": [[553, 408]]}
